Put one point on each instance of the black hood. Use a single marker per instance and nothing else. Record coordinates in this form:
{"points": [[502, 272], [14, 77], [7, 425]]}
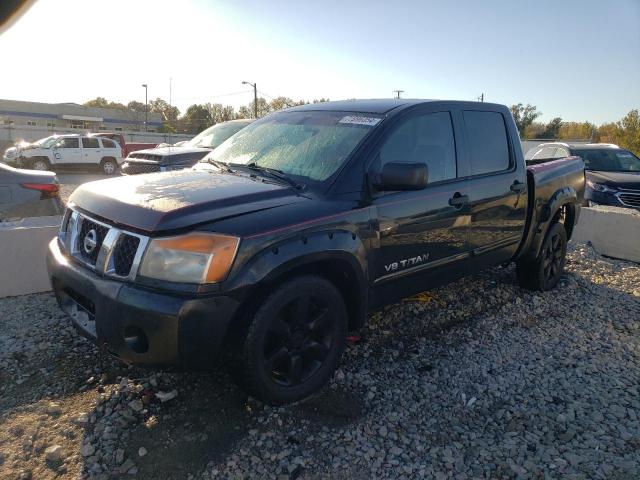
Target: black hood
{"points": [[626, 180], [175, 200]]}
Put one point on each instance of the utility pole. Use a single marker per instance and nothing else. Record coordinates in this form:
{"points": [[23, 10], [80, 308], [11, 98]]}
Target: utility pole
{"points": [[146, 108], [255, 97], [398, 92], [481, 97]]}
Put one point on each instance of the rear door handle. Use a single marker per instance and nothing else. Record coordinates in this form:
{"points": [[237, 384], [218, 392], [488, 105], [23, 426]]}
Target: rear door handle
{"points": [[458, 200], [517, 186]]}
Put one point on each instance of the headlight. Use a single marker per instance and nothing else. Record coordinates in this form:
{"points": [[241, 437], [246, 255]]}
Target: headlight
{"points": [[191, 258], [600, 187]]}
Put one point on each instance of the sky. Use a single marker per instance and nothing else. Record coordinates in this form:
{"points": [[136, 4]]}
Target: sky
{"points": [[576, 59]]}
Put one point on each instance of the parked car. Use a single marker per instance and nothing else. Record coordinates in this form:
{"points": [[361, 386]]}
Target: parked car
{"points": [[25, 193], [612, 173], [177, 157], [127, 147], [288, 234], [68, 151]]}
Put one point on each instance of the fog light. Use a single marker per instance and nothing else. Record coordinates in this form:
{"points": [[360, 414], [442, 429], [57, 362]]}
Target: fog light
{"points": [[136, 339]]}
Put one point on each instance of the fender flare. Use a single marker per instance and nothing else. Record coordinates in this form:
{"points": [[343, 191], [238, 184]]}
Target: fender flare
{"points": [[340, 251], [548, 212]]}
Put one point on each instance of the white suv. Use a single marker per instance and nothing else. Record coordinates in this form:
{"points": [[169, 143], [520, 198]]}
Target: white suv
{"points": [[68, 151]]}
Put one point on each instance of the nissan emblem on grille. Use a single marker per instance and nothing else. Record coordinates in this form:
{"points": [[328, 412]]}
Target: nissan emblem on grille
{"points": [[90, 241]]}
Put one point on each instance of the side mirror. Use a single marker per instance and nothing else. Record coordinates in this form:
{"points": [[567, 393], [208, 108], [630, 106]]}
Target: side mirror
{"points": [[402, 176]]}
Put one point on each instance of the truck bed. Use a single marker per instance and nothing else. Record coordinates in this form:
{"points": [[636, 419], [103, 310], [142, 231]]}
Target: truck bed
{"points": [[548, 184]]}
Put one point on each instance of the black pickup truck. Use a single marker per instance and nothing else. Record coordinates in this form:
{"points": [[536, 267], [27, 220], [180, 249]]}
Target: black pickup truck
{"points": [[283, 239]]}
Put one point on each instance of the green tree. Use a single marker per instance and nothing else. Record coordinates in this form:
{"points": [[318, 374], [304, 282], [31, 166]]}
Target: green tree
{"points": [[170, 114], [196, 119], [524, 116], [630, 131], [220, 113], [101, 102], [552, 129]]}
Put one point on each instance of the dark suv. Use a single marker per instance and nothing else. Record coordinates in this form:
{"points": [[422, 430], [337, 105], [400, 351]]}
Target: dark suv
{"points": [[612, 173]]}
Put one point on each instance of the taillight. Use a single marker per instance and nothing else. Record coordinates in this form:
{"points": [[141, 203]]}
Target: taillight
{"points": [[48, 189]]}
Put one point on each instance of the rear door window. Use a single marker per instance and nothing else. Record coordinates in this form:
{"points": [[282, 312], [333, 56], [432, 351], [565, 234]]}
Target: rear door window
{"points": [[487, 142], [90, 143]]}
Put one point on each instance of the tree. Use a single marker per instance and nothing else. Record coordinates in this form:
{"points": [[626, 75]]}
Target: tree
{"points": [[577, 131], [630, 131], [101, 102], [219, 113], [535, 130], [136, 106], [196, 118], [524, 116], [170, 115], [552, 129]]}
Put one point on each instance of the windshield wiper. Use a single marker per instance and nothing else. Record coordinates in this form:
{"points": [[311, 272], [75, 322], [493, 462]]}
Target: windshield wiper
{"points": [[221, 165], [275, 173]]}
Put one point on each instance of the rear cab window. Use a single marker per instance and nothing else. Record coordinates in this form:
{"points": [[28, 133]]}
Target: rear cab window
{"points": [[487, 142]]}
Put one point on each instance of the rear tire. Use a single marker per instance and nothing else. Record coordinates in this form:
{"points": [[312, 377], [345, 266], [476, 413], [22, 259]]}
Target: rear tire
{"points": [[40, 164], [545, 271], [108, 166], [294, 342]]}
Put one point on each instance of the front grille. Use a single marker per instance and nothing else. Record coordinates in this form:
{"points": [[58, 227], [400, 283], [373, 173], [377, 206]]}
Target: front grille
{"points": [[103, 248], [146, 156], [89, 240], [630, 198], [136, 168], [124, 253]]}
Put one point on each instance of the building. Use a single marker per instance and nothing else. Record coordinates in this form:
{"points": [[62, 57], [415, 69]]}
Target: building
{"points": [[64, 116], [30, 121]]}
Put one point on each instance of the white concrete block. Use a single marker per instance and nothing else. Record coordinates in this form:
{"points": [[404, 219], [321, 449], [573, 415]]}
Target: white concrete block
{"points": [[612, 231], [23, 246]]}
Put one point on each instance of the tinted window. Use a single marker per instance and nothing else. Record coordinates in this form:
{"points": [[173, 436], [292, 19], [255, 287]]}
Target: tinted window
{"points": [[106, 143], [427, 139], [487, 138], [69, 142], [90, 143]]}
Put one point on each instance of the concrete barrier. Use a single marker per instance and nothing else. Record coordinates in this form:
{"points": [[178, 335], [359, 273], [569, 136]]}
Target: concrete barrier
{"points": [[613, 231], [23, 245]]}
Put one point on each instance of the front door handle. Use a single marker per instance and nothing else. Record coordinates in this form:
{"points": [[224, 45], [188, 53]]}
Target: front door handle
{"points": [[458, 200], [517, 186]]}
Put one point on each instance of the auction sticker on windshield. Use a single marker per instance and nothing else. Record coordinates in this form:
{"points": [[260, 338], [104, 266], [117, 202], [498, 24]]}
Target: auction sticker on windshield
{"points": [[358, 120]]}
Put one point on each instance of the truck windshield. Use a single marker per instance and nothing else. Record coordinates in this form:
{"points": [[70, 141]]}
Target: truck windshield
{"points": [[609, 160], [214, 136], [310, 145]]}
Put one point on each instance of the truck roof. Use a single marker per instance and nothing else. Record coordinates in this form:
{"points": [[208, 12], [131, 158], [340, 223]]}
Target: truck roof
{"points": [[378, 105]]}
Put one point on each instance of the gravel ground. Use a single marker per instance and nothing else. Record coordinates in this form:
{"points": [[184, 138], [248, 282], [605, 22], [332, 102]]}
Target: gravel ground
{"points": [[485, 380]]}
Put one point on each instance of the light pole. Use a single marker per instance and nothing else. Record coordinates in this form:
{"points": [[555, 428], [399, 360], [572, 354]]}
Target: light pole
{"points": [[146, 108], [255, 97]]}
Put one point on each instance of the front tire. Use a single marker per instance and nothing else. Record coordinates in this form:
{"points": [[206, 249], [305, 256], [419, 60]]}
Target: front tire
{"points": [[109, 166], [295, 341], [545, 271]]}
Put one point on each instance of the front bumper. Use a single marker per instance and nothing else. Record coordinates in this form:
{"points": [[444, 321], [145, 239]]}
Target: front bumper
{"points": [[140, 326]]}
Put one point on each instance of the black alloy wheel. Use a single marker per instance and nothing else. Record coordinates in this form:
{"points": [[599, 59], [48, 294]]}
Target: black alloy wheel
{"points": [[295, 340]]}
